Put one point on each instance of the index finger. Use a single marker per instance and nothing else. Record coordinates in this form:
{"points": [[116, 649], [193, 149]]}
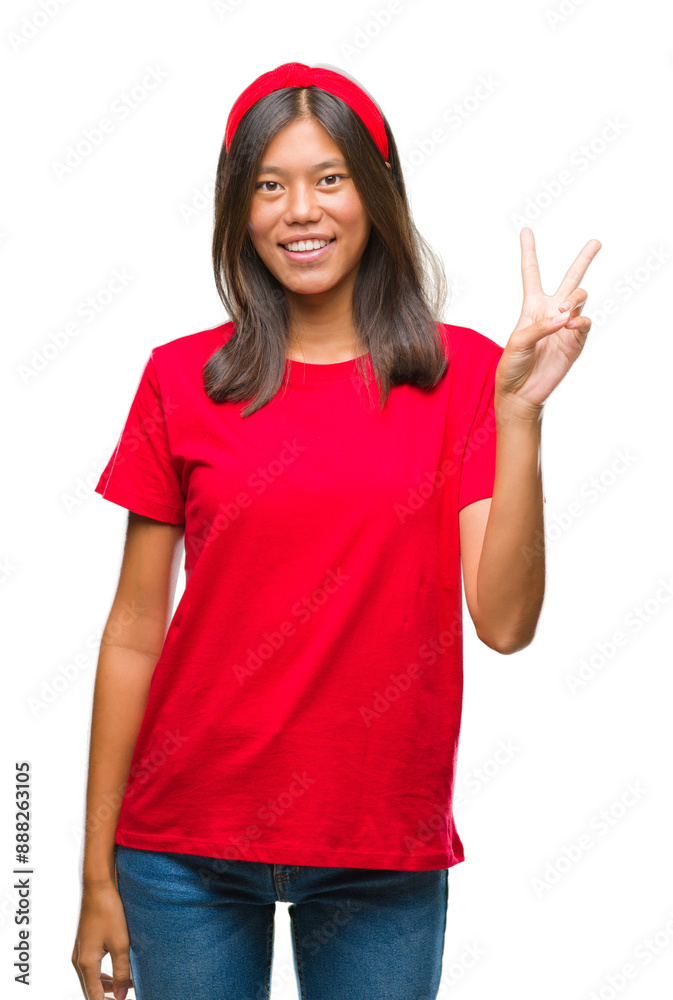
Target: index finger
{"points": [[530, 272]]}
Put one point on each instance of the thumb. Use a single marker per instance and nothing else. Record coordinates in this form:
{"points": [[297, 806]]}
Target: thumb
{"points": [[121, 975], [117, 985]]}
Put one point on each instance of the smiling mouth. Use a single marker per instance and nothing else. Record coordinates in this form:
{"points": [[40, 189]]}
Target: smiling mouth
{"points": [[307, 256], [286, 246]]}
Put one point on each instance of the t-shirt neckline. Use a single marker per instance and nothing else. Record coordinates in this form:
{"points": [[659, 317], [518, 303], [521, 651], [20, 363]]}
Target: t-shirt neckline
{"points": [[304, 371]]}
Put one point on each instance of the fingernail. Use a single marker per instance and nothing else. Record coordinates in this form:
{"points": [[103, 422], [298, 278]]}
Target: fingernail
{"points": [[565, 305]]}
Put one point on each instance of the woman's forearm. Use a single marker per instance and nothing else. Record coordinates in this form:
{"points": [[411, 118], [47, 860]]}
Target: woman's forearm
{"points": [[511, 574], [121, 688]]}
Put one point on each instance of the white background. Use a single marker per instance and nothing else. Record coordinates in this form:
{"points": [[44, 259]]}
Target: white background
{"points": [[535, 83]]}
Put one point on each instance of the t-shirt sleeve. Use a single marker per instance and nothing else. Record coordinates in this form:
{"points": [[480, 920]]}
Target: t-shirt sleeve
{"points": [[141, 474], [477, 474]]}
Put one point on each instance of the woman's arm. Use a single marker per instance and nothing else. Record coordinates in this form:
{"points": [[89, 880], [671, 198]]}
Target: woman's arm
{"points": [[504, 545], [130, 647], [502, 539]]}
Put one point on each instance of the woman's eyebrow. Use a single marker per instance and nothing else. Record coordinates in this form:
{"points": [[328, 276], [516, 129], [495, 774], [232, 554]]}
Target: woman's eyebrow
{"points": [[268, 169]]}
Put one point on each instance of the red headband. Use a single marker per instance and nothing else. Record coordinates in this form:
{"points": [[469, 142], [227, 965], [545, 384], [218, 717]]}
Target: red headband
{"points": [[296, 74]]}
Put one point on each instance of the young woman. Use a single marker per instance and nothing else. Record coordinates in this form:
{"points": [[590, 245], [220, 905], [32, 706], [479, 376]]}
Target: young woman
{"points": [[328, 458]]}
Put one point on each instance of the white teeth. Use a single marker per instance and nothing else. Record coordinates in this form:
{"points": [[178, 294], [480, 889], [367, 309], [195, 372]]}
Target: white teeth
{"points": [[306, 245]]}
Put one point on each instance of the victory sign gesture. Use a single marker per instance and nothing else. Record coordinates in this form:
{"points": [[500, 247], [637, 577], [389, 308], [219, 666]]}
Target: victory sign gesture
{"points": [[549, 335]]}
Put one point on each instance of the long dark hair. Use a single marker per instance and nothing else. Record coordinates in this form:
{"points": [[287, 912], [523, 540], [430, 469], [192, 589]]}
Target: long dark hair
{"points": [[400, 285]]}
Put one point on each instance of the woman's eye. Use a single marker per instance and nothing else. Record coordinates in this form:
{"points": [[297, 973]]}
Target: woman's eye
{"points": [[261, 184]]}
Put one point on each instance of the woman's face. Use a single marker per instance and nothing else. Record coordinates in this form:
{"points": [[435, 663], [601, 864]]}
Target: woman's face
{"points": [[304, 187]]}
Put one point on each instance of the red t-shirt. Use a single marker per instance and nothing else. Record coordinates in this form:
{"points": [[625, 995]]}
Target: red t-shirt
{"points": [[306, 705]]}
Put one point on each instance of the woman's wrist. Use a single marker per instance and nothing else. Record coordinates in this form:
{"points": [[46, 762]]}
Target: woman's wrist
{"points": [[510, 407], [99, 872]]}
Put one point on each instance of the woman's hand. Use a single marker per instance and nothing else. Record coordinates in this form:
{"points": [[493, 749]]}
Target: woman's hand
{"points": [[548, 337], [102, 928]]}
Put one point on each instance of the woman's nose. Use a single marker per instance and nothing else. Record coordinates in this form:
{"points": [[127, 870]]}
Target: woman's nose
{"points": [[301, 203]]}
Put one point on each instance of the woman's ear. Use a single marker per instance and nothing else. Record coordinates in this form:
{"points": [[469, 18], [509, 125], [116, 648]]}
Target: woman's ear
{"points": [[388, 165]]}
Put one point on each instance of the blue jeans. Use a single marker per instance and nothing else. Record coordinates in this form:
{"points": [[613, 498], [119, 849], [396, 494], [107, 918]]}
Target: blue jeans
{"points": [[202, 928]]}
